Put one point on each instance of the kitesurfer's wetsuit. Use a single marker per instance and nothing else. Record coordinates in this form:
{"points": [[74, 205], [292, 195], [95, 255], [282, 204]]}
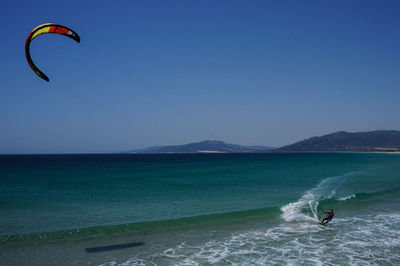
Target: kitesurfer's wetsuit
{"points": [[328, 217]]}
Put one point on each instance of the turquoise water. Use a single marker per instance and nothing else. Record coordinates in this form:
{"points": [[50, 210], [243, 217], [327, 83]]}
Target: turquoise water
{"points": [[213, 208]]}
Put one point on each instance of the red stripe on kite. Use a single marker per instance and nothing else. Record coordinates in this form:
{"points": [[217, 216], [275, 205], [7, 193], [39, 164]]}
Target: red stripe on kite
{"points": [[52, 29], [62, 31]]}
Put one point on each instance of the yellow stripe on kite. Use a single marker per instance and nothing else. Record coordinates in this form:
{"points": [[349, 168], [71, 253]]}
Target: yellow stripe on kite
{"points": [[41, 31]]}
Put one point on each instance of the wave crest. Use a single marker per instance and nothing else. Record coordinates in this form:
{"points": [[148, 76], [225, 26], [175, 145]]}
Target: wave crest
{"points": [[306, 208]]}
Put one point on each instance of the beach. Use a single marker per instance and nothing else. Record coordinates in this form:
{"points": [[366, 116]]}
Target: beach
{"points": [[200, 209]]}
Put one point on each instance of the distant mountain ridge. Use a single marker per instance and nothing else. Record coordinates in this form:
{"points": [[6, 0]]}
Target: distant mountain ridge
{"points": [[207, 146], [379, 140]]}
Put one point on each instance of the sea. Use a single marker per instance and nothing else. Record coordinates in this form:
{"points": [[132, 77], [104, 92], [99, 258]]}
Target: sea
{"points": [[200, 209]]}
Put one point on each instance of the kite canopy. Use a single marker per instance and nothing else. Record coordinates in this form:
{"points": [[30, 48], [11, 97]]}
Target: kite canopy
{"points": [[42, 29]]}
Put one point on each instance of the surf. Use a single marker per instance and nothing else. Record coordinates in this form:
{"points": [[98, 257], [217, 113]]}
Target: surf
{"points": [[307, 207]]}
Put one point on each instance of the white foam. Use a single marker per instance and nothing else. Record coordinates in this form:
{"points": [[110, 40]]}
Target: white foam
{"points": [[365, 240], [310, 200], [347, 198]]}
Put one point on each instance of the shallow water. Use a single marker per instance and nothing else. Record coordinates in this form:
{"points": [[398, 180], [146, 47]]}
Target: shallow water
{"points": [[225, 209]]}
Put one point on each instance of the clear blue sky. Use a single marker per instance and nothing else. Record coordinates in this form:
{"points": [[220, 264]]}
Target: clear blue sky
{"points": [[171, 72]]}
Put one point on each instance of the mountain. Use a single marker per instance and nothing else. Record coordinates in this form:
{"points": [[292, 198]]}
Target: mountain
{"points": [[380, 140], [207, 146]]}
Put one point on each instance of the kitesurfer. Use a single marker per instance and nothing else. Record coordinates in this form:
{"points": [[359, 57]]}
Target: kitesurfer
{"points": [[328, 217]]}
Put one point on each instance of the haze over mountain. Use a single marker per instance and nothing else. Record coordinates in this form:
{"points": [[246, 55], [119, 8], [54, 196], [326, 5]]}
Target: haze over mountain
{"points": [[380, 140], [207, 146]]}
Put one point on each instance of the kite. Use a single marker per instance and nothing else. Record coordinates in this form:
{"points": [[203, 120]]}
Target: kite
{"points": [[42, 29]]}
